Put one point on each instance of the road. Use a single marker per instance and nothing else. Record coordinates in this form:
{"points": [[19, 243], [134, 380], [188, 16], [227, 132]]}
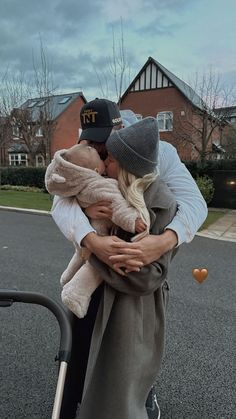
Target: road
{"points": [[198, 375]]}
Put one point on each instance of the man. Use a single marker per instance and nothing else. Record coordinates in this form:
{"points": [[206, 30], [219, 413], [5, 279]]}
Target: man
{"points": [[98, 119]]}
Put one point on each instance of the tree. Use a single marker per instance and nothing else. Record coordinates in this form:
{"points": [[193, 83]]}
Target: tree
{"points": [[113, 81], [205, 117], [16, 93]]}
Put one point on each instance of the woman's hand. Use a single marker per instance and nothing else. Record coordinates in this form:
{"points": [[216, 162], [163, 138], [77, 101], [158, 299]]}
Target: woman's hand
{"points": [[100, 211]]}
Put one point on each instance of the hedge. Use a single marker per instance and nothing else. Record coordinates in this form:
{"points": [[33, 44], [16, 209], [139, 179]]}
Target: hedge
{"points": [[34, 176], [24, 176], [198, 168]]}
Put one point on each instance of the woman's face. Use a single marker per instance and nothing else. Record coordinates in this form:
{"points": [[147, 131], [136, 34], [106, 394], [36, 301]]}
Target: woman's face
{"points": [[112, 167]]}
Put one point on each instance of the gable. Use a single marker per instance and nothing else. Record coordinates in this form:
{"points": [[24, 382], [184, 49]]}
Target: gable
{"points": [[151, 77], [154, 75]]}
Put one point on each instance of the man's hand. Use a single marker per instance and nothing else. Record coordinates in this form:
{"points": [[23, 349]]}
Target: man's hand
{"points": [[105, 247], [152, 247], [99, 211]]}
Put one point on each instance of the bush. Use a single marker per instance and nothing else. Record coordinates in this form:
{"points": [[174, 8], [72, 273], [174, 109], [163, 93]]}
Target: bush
{"points": [[23, 176], [206, 186]]}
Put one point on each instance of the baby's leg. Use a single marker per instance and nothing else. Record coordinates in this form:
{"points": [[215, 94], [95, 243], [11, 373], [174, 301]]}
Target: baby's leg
{"points": [[76, 294], [75, 263]]}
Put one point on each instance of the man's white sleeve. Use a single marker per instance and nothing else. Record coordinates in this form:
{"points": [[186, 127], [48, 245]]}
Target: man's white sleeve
{"points": [[192, 208], [70, 219]]}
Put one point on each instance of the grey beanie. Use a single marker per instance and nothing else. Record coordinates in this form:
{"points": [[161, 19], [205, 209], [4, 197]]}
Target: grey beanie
{"points": [[136, 147]]}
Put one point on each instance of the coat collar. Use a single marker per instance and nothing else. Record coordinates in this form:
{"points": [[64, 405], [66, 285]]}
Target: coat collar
{"points": [[158, 195]]}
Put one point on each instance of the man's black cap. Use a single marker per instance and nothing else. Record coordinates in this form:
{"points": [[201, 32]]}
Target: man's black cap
{"points": [[98, 117]]}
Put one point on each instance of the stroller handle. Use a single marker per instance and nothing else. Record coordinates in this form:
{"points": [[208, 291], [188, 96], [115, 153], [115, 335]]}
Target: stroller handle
{"points": [[8, 297]]}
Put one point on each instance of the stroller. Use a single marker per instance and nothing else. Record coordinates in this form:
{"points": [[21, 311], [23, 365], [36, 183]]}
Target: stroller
{"points": [[8, 297]]}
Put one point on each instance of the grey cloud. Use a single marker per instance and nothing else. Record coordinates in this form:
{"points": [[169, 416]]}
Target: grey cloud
{"points": [[23, 23], [78, 12], [229, 79], [168, 4], [56, 20], [158, 28]]}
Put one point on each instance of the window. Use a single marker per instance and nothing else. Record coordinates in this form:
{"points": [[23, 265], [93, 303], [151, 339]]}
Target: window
{"points": [[42, 102], [40, 161], [15, 131], [64, 100], [31, 104], [39, 132], [165, 121], [18, 159]]}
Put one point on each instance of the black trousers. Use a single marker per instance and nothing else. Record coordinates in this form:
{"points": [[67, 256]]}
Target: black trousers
{"points": [[82, 330]]}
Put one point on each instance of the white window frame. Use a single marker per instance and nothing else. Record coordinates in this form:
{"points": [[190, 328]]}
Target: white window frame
{"points": [[16, 159], [39, 132], [64, 100], [165, 117], [42, 164], [15, 132]]}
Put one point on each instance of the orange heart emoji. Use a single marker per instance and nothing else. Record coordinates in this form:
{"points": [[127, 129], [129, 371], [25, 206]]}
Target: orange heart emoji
{"points": [[200, 274]]}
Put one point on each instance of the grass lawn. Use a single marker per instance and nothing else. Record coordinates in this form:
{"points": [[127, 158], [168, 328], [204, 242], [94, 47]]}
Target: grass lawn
{"points": [[32, 200], [211, 218], [43, 201]]}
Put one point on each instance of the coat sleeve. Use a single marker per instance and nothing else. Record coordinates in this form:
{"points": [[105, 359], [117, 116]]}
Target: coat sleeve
{"points": [[150, 277], [70, 219], [192, 208], [144, 282]]}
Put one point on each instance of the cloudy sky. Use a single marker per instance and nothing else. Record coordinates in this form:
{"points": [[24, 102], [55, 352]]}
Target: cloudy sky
{"points": [[183, 35]]}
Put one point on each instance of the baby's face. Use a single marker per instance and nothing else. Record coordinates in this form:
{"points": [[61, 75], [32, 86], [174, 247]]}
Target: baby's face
{"points": [[85, 156]]}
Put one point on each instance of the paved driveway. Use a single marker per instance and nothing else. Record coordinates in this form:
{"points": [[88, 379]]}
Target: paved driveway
{"points": [[198, 375]]}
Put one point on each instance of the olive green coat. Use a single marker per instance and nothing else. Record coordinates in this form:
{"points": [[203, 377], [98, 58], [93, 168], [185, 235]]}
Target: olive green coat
{"points": [[128, 338]]}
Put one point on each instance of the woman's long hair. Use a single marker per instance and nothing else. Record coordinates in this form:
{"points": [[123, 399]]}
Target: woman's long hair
{"points": [[133, 188]]}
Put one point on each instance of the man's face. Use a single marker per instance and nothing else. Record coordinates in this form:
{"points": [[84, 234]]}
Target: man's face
{"points": [[100, 147]]}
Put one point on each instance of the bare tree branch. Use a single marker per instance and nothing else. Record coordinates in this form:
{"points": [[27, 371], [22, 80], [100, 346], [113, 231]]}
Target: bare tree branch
{"points": [[15, 91], [207, 122], [117, 67]]}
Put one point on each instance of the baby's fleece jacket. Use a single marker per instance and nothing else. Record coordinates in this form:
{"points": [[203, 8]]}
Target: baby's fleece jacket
{"points": [[66, 179]]}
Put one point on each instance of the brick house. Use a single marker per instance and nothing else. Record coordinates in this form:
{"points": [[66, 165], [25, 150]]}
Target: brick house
{"points": [[157, 92], [41, 126]]}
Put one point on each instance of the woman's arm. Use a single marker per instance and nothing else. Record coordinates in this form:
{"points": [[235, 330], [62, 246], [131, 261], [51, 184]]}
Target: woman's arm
{"points": [[144, 282]]}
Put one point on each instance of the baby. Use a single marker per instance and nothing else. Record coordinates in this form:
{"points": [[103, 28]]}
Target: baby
{"points": [[78, 172]]}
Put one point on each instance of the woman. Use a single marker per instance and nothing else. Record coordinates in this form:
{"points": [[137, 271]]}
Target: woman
{"points": [[128, 338]]}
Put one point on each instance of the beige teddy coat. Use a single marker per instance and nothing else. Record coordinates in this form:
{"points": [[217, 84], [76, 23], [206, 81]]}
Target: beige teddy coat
{"points": [[67, 179]]}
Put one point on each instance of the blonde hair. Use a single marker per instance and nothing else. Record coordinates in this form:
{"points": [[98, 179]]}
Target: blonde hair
{"points": [[133, 188]]}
